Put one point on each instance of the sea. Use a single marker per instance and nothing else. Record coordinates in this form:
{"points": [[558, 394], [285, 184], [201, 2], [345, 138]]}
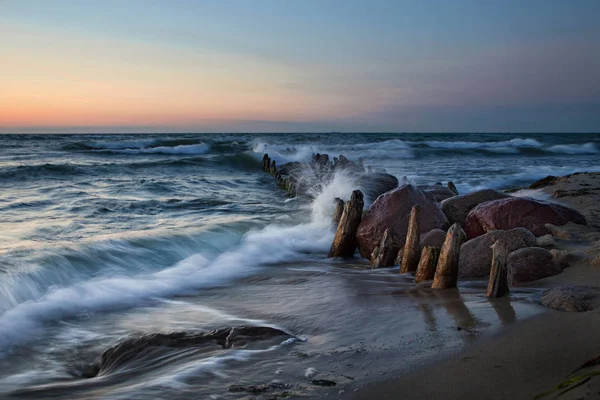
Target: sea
{"points": [[106, 237]]}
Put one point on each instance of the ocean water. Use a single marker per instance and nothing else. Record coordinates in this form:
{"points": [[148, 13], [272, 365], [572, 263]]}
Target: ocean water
{"points": [[105, 237]]}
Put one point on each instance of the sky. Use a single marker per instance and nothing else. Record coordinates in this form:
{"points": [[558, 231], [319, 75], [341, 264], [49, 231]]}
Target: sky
{"points": [[299, 66]]}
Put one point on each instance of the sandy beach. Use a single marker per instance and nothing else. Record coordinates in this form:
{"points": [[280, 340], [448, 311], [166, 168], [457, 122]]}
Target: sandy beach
{"points": [[529, 359]]}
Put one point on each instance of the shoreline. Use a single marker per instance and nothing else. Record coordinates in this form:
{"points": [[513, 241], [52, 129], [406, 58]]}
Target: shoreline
{"points": [[528, 358]]}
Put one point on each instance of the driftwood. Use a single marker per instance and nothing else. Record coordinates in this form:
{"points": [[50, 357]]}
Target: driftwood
{"points": [[427, 264], [339, 210], [412, 246], [498, 283], [446, 273], [344, 243], [385, 254]]}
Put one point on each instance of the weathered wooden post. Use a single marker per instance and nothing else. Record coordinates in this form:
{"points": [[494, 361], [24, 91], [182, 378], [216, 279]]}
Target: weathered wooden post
{"points": [[452, 187], [412, 246], [498, 283], [273, 168], [386, 252], [344, 242], [399, 256], [339, 210], [446, 273], [266, 162], [427, 264]]}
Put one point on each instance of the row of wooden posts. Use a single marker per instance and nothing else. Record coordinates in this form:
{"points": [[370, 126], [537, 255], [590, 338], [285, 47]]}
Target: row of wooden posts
{"points": [[428, 263]]}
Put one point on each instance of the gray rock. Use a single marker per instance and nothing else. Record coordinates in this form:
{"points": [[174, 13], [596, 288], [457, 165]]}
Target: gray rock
{"points": [[572, 298], [545, 241], [433, 238], [530, 264], [438, 191], [476, 254], [457, 207]]}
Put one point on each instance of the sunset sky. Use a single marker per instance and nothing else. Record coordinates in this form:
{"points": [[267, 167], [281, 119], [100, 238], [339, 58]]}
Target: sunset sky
{"points": [[236, 66]]}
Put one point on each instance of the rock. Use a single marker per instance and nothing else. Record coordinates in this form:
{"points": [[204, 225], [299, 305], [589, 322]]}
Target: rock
{"points": [[530, 264], [376, 183], [557, 232], [433, 238], [458, 207], [516, 212], [562, 257], [439, 192], [476, 254], [225, 338], [323, 382], [391, 211], [545, 241], [572, 298], [547, 181]]}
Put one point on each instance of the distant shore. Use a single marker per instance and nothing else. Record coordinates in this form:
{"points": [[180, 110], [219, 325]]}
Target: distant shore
{"points": [[527, 359]]}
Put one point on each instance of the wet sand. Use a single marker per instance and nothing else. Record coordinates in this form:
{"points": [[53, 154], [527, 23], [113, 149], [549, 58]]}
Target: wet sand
{"points": [[524, 360]]}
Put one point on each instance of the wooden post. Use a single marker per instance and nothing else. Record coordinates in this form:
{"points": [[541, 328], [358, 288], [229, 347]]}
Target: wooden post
{"points": [[452, 187], [387, 251], [412, 247], [339, 210], [498, 283], [446, 273], [427, 264], [344, 242], [399, 256], [273, 167], [266, 162]]}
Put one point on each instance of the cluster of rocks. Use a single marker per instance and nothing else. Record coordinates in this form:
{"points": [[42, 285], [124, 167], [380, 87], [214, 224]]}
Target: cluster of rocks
{"points": [[442, 236]]}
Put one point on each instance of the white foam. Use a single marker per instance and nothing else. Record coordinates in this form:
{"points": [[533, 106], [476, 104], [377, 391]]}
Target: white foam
{"points": [[586, 148], [507, 146], [130, 144], [274, 244], [200, 148]]}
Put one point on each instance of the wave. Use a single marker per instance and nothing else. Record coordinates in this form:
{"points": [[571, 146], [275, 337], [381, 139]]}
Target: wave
{"points": [[122, 287], [41, 170], [586, 148], [201, 148]]}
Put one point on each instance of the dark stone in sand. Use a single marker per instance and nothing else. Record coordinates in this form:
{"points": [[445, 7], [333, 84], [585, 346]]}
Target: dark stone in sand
{"points": [[572, 298], [516, 212], [258, 389], [530, 264], [458, 207], [476, 254], [323, 382], [391, 211], [225, 338], [433, 238]]}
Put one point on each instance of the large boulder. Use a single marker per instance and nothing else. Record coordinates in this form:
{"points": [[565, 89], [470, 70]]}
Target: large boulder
{"points": [[376, 183], [391, 211], [572, 298], [439, 191], [458, 207], [516, 212], [530, 264], [476, 255]]}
